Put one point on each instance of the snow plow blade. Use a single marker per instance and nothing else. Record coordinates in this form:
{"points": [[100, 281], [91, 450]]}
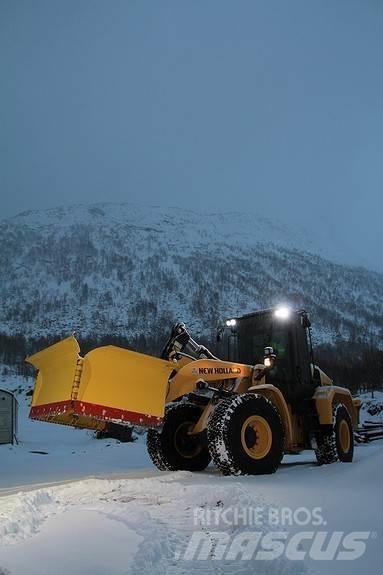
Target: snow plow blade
{"points": [[110, 384]]}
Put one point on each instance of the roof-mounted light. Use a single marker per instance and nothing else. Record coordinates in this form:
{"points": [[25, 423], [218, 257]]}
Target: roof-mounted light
{"points": [[231, 322], [282, 312]]}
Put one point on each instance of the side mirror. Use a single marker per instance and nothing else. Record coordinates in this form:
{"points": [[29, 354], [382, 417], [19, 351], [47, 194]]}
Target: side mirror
{"points": [[269, 357], [220, 331]]}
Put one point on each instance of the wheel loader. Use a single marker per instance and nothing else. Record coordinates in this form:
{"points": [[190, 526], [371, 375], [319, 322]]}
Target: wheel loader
{"points": [[262, 398]]}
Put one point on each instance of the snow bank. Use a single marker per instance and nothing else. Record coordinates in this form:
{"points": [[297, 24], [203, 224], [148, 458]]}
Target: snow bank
{"points": [[372, 407], [157, 512]]}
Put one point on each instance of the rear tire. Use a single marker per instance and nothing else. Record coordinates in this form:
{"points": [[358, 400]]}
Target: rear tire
{"points": [[344, 434], [245, 436], [172, 448], [337, 443]]}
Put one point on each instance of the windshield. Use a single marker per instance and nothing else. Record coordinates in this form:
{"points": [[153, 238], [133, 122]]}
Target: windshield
{"points": [[252, 335]]}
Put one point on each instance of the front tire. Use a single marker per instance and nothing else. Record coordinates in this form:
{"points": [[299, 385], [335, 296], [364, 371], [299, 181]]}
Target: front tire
{"points": [[173, 448], [245, 436]]}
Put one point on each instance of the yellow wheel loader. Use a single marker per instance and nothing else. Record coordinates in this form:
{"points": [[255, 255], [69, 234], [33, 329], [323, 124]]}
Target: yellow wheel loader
{"points": [[264, 398]]}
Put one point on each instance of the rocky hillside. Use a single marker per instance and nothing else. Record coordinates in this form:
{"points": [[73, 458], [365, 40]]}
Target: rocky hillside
{"points": [[130, 271]]}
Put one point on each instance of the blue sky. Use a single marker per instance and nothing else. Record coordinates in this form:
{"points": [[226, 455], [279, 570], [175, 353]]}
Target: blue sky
{"points": [[261, 105]]}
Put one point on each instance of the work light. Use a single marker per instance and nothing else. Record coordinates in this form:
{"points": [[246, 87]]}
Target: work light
{"points": [[282, 312]]}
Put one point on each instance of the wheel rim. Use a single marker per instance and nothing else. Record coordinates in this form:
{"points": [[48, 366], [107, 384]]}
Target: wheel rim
{"points": [[256, 437], [344, 436], [186, 445]]}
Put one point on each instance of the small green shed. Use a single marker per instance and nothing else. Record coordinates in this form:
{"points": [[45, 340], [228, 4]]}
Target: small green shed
{"points": [[8, 417]]}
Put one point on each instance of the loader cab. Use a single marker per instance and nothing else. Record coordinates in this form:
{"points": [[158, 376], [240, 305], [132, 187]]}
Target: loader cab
{"points": [[243, 340]]}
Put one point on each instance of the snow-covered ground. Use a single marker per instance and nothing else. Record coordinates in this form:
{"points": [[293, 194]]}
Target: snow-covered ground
{"points": [[50, 453], [99, 507]]}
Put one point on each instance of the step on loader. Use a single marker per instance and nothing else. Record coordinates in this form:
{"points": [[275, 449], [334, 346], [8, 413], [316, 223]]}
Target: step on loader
{"points": [[263, 398]]}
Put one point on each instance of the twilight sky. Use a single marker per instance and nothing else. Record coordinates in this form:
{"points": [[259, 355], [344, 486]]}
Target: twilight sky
{"points": [[272, 106]]}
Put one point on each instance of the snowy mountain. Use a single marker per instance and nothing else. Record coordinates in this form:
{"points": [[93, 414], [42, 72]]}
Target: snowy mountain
{"points": [[127, 270]]}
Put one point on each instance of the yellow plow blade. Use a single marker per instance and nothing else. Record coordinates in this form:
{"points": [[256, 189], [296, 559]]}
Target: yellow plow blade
{"points": [[108, 384]]}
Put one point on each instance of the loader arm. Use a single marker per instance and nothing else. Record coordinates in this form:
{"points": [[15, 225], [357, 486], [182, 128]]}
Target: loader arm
{"points": [[181, 344]]}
